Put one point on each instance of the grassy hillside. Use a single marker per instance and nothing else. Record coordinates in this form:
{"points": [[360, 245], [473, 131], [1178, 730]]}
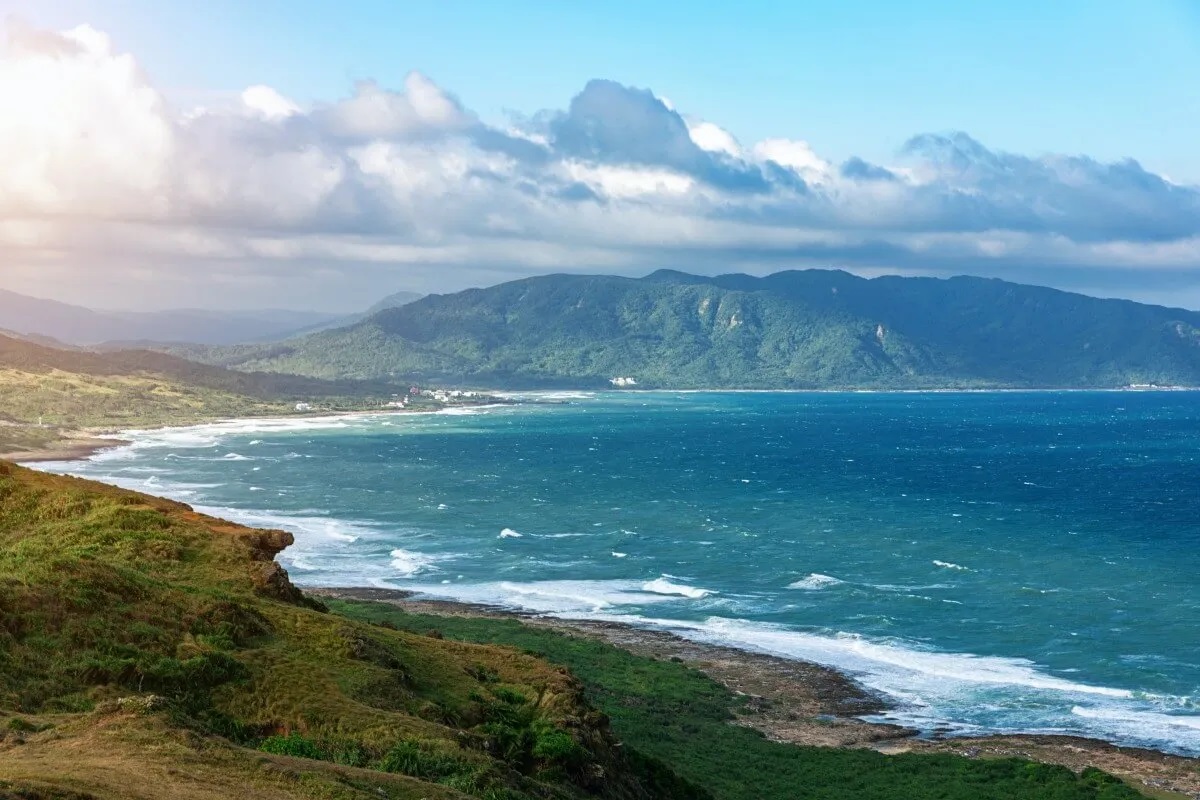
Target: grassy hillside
{"points": [[684, 718], [78, 388], [148, 651], [812, 329]]}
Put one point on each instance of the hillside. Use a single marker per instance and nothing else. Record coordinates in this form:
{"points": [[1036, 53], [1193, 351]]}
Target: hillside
{"points": [[148, 651], [809, 329], [84, 326], [78, 388], [145, 647]]}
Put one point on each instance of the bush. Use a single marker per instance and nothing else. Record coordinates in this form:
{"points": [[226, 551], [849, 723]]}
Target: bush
{"points": [[294, 744], [410, 757]]}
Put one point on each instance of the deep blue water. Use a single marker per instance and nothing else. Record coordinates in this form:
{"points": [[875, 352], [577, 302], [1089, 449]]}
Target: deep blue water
{"points": [[1018, 561]]}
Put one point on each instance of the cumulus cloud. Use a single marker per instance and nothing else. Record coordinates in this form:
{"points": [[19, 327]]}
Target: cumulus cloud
{"points": [[103, 179]]}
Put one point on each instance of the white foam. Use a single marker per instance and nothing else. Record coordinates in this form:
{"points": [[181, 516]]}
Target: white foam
{"points": [[308, 529], [893, 666], [815, 581], [1154, 725], [664, 586], [509, 533], [466, 411], [619, 555], [235, 457], [564, 598], [408, 563], [949, 565]]}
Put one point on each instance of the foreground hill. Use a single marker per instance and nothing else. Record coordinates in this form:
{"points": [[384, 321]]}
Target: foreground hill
{"points": [[148, 651], [810, 329], [145, 646]]}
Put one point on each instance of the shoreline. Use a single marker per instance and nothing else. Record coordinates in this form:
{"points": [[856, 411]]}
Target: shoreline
{"points": [[75, 446], [808, 704], [792, 701], [81, 444]]}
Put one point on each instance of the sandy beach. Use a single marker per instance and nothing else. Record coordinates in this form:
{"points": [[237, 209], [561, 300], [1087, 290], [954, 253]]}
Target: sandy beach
{"points": [[804, 703], [70, 447]]}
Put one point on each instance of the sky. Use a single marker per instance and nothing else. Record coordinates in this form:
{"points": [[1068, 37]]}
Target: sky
{"points": [[320, 155]]}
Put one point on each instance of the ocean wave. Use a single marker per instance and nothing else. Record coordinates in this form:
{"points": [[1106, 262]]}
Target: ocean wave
{"points": [[815, 581], [509, 533], [546, 395], [560, 598], [949, 565], [409, 564], [664, 586], [466, 411], [311, 529]]}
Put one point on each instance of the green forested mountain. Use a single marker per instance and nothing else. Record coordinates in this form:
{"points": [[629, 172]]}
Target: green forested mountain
{"points": [[798, 329]]}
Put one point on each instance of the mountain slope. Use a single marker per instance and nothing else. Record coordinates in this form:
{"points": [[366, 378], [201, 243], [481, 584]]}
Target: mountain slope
{"points": [[806, 329], [47, 394], [83, 326]]}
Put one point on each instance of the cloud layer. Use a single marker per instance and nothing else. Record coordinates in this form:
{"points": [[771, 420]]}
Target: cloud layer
{"points": [[103, 183]]}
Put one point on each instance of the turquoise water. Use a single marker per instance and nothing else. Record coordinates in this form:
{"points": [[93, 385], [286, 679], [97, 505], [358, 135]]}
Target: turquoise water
{"points": [[1018, 562]]}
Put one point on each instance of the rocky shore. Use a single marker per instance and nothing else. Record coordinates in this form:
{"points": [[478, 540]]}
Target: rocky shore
{"points": [[809, 704]]}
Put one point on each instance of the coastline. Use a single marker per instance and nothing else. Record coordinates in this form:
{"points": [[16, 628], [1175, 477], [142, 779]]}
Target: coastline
{"points": [[79, 445], [803, 703], [73, 446]]}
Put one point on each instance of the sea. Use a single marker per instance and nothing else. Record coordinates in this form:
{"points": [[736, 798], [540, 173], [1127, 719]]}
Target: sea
{"points": [[990, 562]]}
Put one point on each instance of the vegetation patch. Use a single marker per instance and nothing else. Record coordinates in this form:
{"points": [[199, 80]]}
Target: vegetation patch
{"points": [[680, 717]]}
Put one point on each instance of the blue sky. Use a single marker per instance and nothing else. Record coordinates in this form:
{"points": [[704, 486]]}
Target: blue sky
{"points": [[311, 153]]}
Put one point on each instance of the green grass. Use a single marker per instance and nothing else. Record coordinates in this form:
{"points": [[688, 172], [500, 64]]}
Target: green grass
{"points": [[676, 714], [112, 602]]}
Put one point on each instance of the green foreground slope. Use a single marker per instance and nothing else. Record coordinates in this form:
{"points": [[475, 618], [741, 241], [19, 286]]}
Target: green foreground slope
{"points": [[139, 639], [810, 329], [149, 651], [684, 718]]}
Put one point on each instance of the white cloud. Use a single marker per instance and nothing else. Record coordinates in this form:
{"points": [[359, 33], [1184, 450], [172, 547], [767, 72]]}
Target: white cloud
{"points": [[378, 113], [795, 155], [714, 139], [100, 177], [269, 103], [81, 133]]}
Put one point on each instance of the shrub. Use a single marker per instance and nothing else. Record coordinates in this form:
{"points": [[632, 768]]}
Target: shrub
{"points": [[410, 757], [293, 744]]}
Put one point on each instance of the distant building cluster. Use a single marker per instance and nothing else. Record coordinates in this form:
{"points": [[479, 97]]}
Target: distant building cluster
{"points": [[436, 395], [622, 383]]}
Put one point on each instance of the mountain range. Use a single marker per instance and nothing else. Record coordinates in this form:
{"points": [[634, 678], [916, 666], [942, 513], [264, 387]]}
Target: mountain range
{"points": [[811, 329], [76, 325]]}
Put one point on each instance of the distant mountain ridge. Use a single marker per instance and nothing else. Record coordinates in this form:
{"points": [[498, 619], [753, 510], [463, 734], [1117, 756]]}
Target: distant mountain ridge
{"points": [[76, 325], [817, 329]]}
